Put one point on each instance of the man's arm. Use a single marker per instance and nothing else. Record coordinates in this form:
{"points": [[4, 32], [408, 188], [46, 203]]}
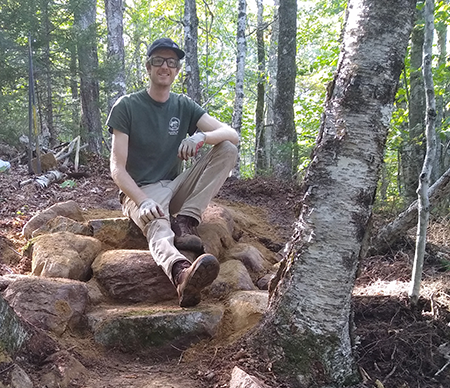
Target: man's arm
{"points": [[119, 154], [119, 174], [216, 131]]}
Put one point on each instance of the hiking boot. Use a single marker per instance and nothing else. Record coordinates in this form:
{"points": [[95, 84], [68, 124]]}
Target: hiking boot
{"points": [[186, 237], [190, 281]]}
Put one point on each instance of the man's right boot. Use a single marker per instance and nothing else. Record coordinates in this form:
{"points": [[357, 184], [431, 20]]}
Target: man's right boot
{"points": [[186, 237]]}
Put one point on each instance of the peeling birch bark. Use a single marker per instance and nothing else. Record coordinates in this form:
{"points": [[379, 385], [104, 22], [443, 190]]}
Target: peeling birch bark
{"points": [[306, 332]]}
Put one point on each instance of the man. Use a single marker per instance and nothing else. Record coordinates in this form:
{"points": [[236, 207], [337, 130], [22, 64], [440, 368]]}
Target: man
{"points": [[153, 131]]}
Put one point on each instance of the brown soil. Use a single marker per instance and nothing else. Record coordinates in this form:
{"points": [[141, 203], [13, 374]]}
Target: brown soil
{"points": [[395, 345]]}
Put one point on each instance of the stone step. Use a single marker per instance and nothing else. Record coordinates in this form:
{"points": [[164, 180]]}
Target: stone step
{"points": [[165, 328]]}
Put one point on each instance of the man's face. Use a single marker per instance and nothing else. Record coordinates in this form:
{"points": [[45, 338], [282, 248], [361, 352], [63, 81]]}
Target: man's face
{"points": [[163, 75]]}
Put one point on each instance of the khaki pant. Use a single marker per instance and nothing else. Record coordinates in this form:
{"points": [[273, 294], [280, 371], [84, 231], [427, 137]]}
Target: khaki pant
{"points": [[188, 194]]}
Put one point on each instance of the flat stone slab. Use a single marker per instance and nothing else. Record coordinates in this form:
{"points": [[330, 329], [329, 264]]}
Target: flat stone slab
{"points": [[170, 329]]}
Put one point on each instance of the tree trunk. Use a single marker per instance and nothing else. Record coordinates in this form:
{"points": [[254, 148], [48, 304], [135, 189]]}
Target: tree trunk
{"points": [[240, 73], [47, 36], [116, 51], [75, 108], [414, 150], [84, 23], [271, 87], [284, 137], [260, 144], [190, 43], [424, 179], [306, 330]]}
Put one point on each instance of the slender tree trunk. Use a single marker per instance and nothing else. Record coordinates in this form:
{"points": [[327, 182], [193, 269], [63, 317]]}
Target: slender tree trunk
{"points": [[116, 51], [424, 180], [240, 73], [75, 107], [190, 46], [207, 33], [272, 70], [306, 332], [138, 67], [49, 123], [84, 22], [260, 144], [284, 137], [414, 150]]}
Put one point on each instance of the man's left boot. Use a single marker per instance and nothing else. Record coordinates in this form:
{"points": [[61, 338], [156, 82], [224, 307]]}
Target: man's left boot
{"points": [[190, 281], [186, 237]]}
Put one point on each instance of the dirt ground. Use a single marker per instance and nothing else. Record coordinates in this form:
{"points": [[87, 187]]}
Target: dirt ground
{"points": [[395, 346]]}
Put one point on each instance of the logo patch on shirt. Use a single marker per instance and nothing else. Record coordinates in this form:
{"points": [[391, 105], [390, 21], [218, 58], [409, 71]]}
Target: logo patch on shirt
{"points": [[174, 126]]}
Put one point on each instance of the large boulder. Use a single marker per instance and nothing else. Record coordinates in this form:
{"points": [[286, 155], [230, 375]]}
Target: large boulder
{"points": [[118, 233], [63, 370], [49, 304], [8, 255], [13, 334], [20, 339], [15, 377], [63, 224], [64, 255], [69, 209], [216, 230], [233, 276], [132, 276], [258, 265], [246, 308]]}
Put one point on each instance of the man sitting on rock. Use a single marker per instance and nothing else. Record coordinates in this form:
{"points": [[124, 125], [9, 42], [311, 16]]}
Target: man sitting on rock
{"points": [[153, 131]]}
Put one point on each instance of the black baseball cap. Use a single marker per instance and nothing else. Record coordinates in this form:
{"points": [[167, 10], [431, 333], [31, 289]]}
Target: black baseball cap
{"points": [[165, 43]]}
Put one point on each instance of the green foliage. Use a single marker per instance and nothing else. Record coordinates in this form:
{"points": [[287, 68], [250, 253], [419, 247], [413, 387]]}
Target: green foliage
{"points": [[145, 21], [389, 200], [445, 264], [318, 35], [69, 183]]}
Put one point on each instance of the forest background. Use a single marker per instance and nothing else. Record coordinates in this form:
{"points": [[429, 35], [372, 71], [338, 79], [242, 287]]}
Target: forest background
{"points": [[86, 54], [268, 70]]}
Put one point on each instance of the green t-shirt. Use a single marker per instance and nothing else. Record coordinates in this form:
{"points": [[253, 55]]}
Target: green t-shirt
{"points": [[155, 131]]}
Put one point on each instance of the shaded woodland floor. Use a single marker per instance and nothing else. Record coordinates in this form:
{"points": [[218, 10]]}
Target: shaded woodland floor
{"points": [[395, 346]]}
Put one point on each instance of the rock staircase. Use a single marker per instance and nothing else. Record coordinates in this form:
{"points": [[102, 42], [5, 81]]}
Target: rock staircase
{"points": [[97, 275]]}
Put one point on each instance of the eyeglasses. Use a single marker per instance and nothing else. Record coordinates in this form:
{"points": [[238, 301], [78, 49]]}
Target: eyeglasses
{"points": [[159, 61]]}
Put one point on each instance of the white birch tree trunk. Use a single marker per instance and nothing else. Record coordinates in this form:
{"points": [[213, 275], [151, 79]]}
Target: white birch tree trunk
{"points": [[424, 179], [48, 107], [306, 332], [240, 72], [115, 50], [272, 70], [260, 149], [260, 145]]}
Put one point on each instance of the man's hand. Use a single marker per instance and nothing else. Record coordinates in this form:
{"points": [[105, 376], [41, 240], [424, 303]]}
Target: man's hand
{"points": [[149, 210], [190, 146]]}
